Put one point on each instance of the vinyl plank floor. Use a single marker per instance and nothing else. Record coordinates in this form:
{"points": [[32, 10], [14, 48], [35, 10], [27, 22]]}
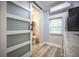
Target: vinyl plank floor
{"points": [[46, 51]]}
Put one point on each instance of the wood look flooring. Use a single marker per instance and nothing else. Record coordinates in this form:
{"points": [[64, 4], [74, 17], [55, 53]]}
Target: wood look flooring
{"points": [[46, 51]]}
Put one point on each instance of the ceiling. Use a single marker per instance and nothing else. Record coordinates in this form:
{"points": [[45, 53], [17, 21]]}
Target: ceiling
{"points": [[48, 4]]}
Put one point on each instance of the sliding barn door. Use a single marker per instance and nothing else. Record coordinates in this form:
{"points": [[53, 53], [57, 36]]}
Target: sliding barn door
{"points": [[15, 36]]}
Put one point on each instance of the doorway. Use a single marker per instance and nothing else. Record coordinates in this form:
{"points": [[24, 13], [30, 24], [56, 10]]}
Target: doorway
{"points": [[36, 16]]}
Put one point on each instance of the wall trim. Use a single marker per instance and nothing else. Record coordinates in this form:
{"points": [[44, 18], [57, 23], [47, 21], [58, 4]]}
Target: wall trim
{"points": [[52, 44], [41, 44]]}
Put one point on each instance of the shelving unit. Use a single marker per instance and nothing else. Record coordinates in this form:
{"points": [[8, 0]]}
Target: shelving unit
{"points": [[17, 33]]}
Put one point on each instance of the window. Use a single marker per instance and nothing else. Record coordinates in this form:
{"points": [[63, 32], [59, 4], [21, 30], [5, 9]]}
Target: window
{"points": [[55, 26]]}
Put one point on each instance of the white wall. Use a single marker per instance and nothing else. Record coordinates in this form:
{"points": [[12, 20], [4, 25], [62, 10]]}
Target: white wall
{"points": [[45, 26], [42, 28]]}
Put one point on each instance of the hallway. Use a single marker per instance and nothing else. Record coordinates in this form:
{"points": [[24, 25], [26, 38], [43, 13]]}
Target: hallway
{"points": [[39, 29]]}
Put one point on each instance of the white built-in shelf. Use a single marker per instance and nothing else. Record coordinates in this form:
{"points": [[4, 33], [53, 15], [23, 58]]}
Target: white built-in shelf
{"points": [[28, 54], [17, 46], [18, 4], [17, 32], [17, 17]]}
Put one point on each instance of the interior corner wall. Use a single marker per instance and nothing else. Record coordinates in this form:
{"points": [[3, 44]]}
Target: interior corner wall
{"points": [[46, 25]]}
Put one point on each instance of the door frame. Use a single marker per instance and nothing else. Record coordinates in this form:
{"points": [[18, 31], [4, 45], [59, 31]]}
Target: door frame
{"points": [[3, 29]]}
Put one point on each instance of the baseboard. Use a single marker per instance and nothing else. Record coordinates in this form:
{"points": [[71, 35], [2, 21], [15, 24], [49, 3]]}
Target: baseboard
{"points": [[42, 43], [53, 44]]}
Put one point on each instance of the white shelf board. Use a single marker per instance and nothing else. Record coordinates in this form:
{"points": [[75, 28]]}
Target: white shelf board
{"points": [[18, 4], [17, 46], [17, 17], [28, 54], [17, 32]]}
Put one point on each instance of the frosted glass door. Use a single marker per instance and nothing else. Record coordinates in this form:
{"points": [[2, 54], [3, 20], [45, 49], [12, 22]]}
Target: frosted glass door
{"points": [[16, 10], [18, 27], [13, 24], [19, 52]]}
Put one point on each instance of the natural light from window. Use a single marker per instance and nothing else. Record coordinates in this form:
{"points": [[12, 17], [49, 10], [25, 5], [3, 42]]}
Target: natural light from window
{"points": [[56, 26]]}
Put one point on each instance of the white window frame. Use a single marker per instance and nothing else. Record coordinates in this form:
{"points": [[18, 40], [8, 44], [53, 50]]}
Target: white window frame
{"points": [[63, 15], [54, 27]]}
